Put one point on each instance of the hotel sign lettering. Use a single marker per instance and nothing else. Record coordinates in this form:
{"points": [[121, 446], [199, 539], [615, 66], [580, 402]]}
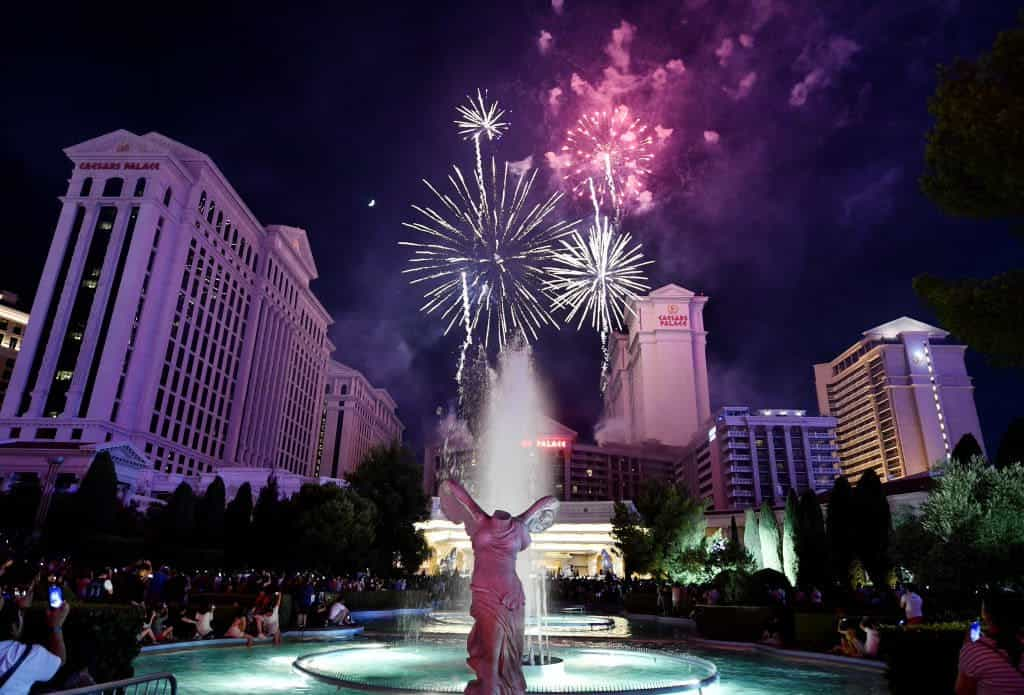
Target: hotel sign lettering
{"points": [[672, 318], [118, 166], [545, 444]]}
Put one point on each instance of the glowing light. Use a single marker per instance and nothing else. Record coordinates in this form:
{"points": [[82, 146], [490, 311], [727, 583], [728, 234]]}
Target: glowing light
{"points": [[479, 118], [500, 241], [372, 203], [612, 149]]}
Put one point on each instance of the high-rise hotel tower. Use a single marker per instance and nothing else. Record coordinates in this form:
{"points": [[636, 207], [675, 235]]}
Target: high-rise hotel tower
{"points": [[170, 320], [902, 398]]}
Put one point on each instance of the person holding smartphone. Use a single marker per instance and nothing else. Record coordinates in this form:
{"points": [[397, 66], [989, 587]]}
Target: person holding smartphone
{"points": [[22, 665], [992, 660]]}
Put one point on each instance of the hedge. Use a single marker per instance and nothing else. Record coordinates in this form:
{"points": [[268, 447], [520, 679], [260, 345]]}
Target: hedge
{"points": [[112, 630], [735, 623], [922, 658]]}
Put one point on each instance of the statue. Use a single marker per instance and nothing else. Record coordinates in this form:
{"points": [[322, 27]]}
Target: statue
{"points": [[495, 643]]}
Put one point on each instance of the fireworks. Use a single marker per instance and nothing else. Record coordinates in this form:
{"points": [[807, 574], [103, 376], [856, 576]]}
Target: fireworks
{"points": [[479, 118], [597, 277], [485, 254], [612, 149]]}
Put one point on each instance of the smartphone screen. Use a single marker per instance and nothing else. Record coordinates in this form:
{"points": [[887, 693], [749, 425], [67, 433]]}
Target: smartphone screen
{"points": [[56, 597], [975, 631]]}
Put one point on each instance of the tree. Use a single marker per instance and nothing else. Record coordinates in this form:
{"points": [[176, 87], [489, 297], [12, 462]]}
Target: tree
{"points": [[237, 521], [752, 537], [390, 478], [19, 504], [632, 541], [811, 543], [332, 528], [1011, 446], [974, 167], [768, 531], [734, 532], [966, 449], [96, 500], [970, 533], [790, 523], [667, 534], [841, 529], [873, 527], [210, 514], [268, 539]]}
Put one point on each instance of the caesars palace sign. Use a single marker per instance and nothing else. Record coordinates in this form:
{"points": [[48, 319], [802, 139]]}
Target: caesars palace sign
{"points": [[672, 318], [116, 166]]}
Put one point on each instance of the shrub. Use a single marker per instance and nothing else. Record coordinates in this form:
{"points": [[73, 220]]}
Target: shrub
{"points": [[111, 629], [922, 658]]}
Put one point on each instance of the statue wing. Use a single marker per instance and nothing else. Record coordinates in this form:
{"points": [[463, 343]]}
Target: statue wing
{"points": [[460, 507], [541, 515]]}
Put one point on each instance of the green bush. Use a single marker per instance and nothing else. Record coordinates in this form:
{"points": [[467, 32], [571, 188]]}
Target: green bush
{"points": [[734, 587], [734, 623], [112, 629], [922, 658], [763, 581], [641, 603], [815, 631]]}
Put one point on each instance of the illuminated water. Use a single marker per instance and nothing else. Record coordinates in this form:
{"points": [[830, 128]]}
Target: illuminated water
{"points": [[266, 669]]}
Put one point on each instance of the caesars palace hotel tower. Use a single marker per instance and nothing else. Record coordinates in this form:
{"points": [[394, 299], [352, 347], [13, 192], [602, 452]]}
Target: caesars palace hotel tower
{"points": [[657, 389], [170, 319]]}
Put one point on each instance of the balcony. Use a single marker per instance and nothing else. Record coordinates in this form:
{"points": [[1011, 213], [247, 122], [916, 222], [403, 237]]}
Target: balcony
{"points": [[740, 469], [741, 493], [733, 456], [737, 444]]}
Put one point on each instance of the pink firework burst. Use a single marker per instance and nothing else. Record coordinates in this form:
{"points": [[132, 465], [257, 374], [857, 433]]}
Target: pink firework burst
{"points": [[614, 150]]}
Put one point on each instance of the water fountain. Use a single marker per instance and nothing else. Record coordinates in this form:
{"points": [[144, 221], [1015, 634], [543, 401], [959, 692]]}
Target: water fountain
{"points": [[508, 586]]}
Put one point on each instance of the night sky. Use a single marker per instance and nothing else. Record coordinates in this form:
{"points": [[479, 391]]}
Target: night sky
{"points": [[787, 191]]}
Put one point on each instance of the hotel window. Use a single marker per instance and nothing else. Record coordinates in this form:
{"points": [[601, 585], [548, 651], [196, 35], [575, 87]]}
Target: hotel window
{"points": [[112, 187], [167, 197], [202, 202], [86, 187], [211, 211], [140, 187]]}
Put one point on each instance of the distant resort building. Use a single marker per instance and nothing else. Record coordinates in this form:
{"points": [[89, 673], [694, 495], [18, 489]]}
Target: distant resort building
{"points": [[171, 328], [902, 399], [13, 322]]}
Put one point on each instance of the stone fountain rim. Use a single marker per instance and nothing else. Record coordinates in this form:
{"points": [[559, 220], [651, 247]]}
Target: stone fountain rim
{"points": [[341, 682]]}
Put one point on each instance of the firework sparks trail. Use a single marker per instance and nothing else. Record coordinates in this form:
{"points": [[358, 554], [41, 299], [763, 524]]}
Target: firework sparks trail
{"points": [[502, 254], [468, 325], [596, 278], [611, 153]]}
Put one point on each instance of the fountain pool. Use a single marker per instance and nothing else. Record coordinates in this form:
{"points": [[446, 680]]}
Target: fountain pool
{"points": [[264, 670]]}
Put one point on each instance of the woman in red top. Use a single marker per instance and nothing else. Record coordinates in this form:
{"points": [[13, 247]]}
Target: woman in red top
{"points": [[993, 664]]}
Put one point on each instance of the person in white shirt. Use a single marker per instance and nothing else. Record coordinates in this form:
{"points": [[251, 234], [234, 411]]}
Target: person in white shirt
{"points": [[872, 638], [912, 605], [22, 665], [338, 614], [203, 622]]}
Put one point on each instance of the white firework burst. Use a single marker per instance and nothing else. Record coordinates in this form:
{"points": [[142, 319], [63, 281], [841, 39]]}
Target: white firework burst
{"points": [[596, 278], [478, 118], [486, 251]]}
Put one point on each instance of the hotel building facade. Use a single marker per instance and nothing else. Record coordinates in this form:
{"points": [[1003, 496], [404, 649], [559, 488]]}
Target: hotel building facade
{"points": [[657, 384], [357, 417], [12, 336], [902, 399], [746, 457], [170, 324]]}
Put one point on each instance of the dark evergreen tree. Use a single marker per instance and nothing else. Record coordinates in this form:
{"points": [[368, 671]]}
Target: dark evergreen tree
{"points": [[1011, 447], [96, 502], [237, 523], [873, 527], [180, 516], [267, 539], [734, 532], [842, 529], [811, 543], [966, 449], [210, 515]]}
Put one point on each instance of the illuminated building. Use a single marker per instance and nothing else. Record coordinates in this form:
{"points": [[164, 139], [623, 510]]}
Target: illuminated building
{"points": [[657, 388], [902, 398], [12, 333], [357, 417], [745, 457], [169, 322], [580, 470]]}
